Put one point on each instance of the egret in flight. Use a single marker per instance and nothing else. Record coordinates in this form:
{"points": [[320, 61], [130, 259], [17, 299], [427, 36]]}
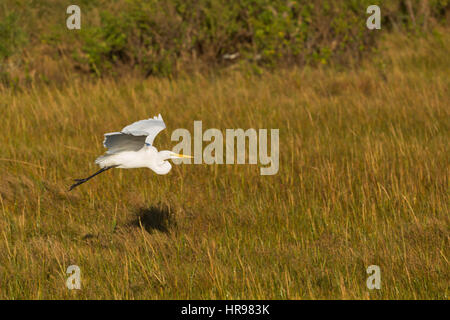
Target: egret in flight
{"points": [[133, 148]]}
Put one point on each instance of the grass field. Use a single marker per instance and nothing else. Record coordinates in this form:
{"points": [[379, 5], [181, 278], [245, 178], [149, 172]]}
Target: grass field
{"points": [[363, 180]]}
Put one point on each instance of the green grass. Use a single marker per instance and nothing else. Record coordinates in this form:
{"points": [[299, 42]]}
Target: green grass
{"points": [[363, 179]]}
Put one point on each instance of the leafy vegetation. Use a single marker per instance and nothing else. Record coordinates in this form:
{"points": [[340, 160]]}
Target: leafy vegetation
{"points": [[162, 38], [12, 36]]}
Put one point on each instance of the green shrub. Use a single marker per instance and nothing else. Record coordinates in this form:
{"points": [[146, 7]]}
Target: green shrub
{"points": [[12, 36], [156, 37]]}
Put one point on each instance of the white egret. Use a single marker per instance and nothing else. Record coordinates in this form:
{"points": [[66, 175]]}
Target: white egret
{"points": [[133, 148]]}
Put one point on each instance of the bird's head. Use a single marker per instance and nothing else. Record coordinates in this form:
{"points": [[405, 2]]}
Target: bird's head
{"points": [[162, 165]]}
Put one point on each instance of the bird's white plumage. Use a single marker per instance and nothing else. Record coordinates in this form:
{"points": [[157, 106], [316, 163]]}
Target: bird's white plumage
{"points": [[134, 136], [133, 148], [150, 128]]}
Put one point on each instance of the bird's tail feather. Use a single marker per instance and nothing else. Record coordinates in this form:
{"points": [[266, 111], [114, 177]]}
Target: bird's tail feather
{"points": [[102, 161]]}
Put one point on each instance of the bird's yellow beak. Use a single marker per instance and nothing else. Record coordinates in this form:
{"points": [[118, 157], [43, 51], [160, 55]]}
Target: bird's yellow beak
{"points": [[181, 155]]}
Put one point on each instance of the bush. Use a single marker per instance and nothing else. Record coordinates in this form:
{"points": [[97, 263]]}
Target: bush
{"points": [[160, 38], [155, 35], [12, 36]]}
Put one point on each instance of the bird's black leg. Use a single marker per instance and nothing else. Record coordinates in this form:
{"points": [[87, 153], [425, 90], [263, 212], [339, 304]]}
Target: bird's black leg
{"points": [[80, 181]]}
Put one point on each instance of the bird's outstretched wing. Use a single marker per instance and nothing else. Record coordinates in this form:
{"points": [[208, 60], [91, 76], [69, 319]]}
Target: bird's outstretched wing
{"points": [[150, 128], [134, 136], [118, 142]]}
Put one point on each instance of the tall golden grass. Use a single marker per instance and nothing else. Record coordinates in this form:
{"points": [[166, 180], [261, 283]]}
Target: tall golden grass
{"points": [[363, 180]]}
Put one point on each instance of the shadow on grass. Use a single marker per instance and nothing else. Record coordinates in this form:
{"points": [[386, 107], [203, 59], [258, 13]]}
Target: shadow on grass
{"points": [[154, 218]]}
